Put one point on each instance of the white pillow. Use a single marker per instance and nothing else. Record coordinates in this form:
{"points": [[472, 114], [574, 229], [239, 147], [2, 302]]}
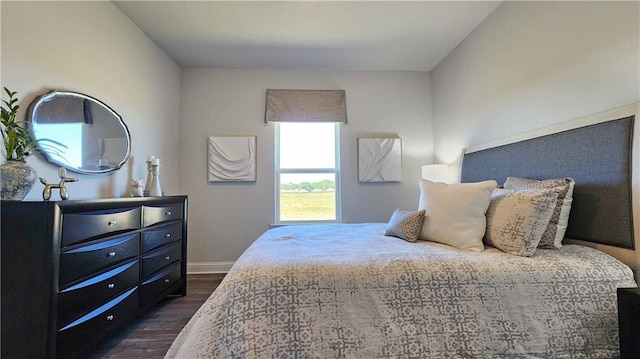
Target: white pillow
{"points": [[517, 219], [563, 220], [455, 213]]}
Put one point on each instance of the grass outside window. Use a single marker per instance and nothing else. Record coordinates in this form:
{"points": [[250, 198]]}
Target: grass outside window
{"points": [[307, 206]]}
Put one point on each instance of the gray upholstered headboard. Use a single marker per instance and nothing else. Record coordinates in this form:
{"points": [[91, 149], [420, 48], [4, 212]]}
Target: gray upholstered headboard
{"points": [[597, 156]]}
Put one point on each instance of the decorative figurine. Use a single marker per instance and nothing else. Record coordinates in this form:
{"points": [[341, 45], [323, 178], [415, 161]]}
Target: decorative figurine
{"points": [[46, 193], [137, 188]]}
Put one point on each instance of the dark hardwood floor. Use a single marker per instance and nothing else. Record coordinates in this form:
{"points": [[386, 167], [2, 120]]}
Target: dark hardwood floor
{"points": [[151, 335]]}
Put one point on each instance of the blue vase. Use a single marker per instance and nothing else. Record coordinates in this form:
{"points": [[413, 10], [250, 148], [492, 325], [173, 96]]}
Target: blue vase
{"points": [[16, 180]]}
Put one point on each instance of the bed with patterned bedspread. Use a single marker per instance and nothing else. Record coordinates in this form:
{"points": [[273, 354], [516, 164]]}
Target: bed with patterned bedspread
{"points": [[349, 291]]}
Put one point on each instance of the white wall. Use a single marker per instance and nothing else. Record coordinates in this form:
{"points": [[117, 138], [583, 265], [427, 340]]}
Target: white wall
{"points": [[224, 218], [531, 65], [92, 48]]}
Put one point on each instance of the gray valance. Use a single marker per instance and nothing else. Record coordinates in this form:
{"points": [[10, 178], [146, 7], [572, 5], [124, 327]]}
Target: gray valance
{"points": [[306, 106], [65, 109]]}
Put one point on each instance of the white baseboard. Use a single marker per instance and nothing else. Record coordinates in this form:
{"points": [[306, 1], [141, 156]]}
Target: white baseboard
{"points": [[208, 267]]}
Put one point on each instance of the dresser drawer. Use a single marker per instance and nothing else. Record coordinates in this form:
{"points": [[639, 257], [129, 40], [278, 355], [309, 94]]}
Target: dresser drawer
{"points": [[78, 227], [82, 297], [161, 258], [157, 214], [155, 238], [75, 335], [82, 261], [161, 281]]}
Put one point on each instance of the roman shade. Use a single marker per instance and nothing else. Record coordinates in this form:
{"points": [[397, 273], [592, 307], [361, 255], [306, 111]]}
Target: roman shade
{"points": [[65, 110], [306, 106]]}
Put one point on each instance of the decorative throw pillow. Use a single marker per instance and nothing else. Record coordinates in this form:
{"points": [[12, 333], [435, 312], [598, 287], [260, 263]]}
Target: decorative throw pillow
{"points": [[516, 219], [405, 224], [455, 213], [553, 235]]}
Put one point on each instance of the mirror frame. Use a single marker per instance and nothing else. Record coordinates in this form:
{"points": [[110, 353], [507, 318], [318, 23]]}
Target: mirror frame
{"points": [[54, 93]]}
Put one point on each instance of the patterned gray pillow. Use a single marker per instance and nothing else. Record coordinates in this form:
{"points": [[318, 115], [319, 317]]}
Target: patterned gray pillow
{"points": [[405, 224], [553, 235], [516, 219]]}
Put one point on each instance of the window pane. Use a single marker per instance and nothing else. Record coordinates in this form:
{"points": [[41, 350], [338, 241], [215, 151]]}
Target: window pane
{"points": [[71, 135], [307, 197], [307, 145]]}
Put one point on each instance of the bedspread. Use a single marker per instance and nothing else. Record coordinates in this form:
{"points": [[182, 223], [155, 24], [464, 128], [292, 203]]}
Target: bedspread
{"points": [[348, 291]]}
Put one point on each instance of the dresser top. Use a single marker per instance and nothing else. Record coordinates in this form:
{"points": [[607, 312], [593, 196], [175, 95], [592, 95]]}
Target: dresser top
{"points": [[141, 200], [102, 203]]}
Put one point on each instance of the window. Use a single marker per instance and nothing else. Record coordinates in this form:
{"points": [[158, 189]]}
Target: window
{"points": [[307, 172]]}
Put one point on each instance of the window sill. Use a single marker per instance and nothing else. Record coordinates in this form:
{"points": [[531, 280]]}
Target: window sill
{"points": [[301, 223]]}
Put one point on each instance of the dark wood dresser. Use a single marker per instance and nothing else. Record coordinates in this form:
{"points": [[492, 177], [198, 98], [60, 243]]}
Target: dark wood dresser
{"points": [[74, 271]]}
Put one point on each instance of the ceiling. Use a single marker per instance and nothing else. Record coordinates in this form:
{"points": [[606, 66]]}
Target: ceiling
{"points": [[336, 35]]}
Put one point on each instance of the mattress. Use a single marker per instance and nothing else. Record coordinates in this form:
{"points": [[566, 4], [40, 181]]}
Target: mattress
{"points": [[348, 291]]}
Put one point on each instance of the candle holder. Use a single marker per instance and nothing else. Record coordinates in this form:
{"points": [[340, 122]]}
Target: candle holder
{"points": [[153, 189], [147, 186]]}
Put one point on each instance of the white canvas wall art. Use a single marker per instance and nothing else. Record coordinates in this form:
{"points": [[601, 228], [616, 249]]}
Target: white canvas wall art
{"points": [[380, 159], [232, 158]]}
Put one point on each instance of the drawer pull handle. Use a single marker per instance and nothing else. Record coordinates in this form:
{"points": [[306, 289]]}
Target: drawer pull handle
{"points": [[168, 213], [111, 254], [168, 235], [111, 285], [109, 317], [167, 280], [167, 258], [112, 223]]}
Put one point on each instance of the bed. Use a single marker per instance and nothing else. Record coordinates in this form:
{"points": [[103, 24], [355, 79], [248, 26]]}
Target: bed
{"points": [[350, 291]]}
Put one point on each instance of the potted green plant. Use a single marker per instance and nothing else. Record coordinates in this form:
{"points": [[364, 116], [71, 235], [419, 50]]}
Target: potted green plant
{"points": [[17, 178]]}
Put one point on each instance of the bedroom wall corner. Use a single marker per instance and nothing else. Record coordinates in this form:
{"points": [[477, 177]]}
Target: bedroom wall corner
{"points": [[533, 65], [93, 48]]}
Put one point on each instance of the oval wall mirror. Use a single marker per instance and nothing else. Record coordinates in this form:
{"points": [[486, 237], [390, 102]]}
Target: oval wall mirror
{"points": [[79, 132]]}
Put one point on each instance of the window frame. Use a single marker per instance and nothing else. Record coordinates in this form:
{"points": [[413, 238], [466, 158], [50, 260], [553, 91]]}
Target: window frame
{"points": [[335, 171]]}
